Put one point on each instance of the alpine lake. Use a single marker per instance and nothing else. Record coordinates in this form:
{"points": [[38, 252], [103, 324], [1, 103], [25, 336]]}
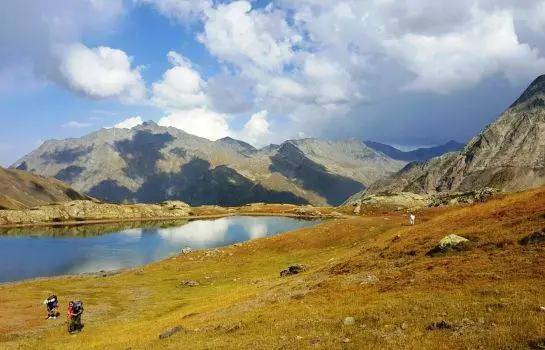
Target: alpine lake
{"points": [[32, 252]]}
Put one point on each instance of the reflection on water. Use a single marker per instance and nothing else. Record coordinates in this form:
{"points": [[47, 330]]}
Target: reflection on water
{"points": [[49, 251]]}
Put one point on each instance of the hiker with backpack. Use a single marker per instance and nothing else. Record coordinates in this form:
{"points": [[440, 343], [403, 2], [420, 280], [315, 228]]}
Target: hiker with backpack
{"points": [[75, 309], [51, 303]]}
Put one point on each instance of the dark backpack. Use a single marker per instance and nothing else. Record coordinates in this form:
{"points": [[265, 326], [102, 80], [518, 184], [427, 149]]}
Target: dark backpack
{"points": [[52, 301], [78, 306]]}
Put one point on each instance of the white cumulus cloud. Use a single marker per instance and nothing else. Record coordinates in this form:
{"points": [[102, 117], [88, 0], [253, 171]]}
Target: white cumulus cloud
{"points": [[256, 130], [199, 121], [181, 87], [31, 31], [102, 72], [129, 123], [235, 33], [456, 60]]}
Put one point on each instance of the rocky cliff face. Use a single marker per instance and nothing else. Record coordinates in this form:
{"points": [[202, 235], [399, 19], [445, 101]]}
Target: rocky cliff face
{"points": [[20, 190], [150, 163], [509, 154]]}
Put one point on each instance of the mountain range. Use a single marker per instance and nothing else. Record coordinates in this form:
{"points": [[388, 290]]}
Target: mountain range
{"points": [[417, 155], [151, 163], [509, 154]]}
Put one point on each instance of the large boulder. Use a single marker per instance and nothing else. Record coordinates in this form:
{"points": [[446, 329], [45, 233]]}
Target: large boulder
{"points": [[293, 270], [450, 243], [170, 332], [534, 238]]}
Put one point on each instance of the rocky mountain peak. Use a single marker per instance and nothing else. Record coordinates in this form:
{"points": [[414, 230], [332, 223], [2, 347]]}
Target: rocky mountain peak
{"points": [[509, 154], [236, 145], [150, 125], [533, 97]]}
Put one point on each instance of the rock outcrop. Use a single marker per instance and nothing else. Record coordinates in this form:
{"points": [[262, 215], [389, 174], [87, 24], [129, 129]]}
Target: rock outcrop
{"points": [[408, 200], [450, 243], [293, 270], [534, 238], [470, 197], [86, 210], [509, 155], [403, 200]]}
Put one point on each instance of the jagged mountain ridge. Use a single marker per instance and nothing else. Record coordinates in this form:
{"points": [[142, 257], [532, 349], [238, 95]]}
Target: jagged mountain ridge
{"points": [[417, 155], [509, 154], [20, 190], [151, 163]]}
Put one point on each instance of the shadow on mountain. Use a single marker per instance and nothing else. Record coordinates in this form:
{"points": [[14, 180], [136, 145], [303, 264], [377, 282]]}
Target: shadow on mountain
{"points": [[66, 156], [142, 153], [180, 152], [292, 163], [70, 173], [197, 184], [23, 166], [111, 191], [41, 191]]}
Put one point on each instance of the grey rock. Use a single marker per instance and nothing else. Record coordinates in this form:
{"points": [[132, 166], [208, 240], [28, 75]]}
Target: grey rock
{"points": [[349, 321], [357, 209], [293, 270], [538, 344], [534, 238], [452, 240], [450, 243], [189, 283], [440, 325], [168, 333]]}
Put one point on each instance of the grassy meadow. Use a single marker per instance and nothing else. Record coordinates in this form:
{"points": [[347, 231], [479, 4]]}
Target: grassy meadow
{"points": [[372, 268]]}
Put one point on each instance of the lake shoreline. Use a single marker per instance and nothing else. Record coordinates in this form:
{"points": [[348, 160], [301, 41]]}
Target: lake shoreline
{"points": [[142, 219], [102, 274], [77, 213]]}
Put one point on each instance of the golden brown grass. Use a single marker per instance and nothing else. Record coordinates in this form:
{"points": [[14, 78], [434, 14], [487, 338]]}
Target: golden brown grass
{"points": [[358, 267]]}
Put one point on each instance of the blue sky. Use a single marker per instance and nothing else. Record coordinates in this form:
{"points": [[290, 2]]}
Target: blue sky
{"points": [[406, 73]]}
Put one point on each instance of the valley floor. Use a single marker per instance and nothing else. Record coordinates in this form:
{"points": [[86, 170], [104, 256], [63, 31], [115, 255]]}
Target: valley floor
{"points": [[372, 268]]}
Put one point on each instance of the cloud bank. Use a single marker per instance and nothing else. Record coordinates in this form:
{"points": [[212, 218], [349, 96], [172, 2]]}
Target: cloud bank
{"points": [[291, 67]]}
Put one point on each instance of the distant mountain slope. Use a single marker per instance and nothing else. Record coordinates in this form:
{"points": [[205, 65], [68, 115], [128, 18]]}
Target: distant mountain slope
{"points": [[509, 154], [20, 189], [417, 155], [150, 163]]}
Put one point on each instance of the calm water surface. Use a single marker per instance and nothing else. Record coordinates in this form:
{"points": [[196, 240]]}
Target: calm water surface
{"points": [[28, 253]]}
